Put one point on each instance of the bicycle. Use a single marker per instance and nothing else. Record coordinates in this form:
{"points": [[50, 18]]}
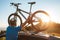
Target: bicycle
{"points": [[30, 18]]}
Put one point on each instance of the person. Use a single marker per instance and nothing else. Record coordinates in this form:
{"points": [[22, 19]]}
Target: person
{"points": [[12, 30]]}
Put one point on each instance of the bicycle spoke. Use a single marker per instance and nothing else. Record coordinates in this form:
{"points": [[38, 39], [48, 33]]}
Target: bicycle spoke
{"points": [[36, 20]]}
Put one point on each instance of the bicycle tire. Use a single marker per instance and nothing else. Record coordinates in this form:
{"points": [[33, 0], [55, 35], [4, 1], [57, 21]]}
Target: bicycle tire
{"points": [[39, 11], [15, 15]]}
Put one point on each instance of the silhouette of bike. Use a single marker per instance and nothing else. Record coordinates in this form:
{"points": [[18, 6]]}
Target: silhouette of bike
{"points": [[30, 20]]}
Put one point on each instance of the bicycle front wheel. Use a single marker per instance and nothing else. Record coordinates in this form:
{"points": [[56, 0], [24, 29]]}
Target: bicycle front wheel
{"points": [[39, 20], [19, 20]]}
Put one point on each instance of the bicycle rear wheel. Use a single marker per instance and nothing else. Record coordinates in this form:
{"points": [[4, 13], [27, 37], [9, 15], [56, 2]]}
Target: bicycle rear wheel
{"points": [[37, 22], [18, 17]]}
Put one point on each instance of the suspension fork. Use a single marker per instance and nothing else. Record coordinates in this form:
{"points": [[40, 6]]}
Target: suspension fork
{"points": [[16, 13]]}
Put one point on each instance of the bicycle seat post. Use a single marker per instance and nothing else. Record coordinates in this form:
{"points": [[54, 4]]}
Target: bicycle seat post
{"points": [[31, 3]]}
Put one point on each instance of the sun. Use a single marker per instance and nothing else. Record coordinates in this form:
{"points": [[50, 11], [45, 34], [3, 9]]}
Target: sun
{"points": [[45, 18]]}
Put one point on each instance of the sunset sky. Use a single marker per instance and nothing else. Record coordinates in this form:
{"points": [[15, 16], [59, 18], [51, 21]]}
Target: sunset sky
{"points": [[52, 7]]}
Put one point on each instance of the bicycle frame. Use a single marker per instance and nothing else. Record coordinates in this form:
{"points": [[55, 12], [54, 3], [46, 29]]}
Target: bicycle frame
{"points": [[23, 14], [20, 10]]}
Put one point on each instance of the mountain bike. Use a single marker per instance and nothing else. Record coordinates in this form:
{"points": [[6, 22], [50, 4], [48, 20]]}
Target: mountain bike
{"points": [[32, 19]]}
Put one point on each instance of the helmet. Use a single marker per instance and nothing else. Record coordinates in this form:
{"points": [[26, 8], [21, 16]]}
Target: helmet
{"points": [[12, 21]]}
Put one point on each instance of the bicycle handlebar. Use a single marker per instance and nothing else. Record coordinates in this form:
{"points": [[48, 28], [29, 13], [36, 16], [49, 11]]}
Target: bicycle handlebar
{"points": [[15, 4]]}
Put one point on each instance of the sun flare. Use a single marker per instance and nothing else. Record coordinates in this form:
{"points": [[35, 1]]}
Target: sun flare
{"points": [[43, 17]]}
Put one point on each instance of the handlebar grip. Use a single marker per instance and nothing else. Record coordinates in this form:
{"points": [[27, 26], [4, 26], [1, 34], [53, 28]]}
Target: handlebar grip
{"points": [[11, 3]]}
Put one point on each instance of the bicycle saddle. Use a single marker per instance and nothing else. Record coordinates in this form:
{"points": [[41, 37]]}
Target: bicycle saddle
{"points": [[31, 2]]}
